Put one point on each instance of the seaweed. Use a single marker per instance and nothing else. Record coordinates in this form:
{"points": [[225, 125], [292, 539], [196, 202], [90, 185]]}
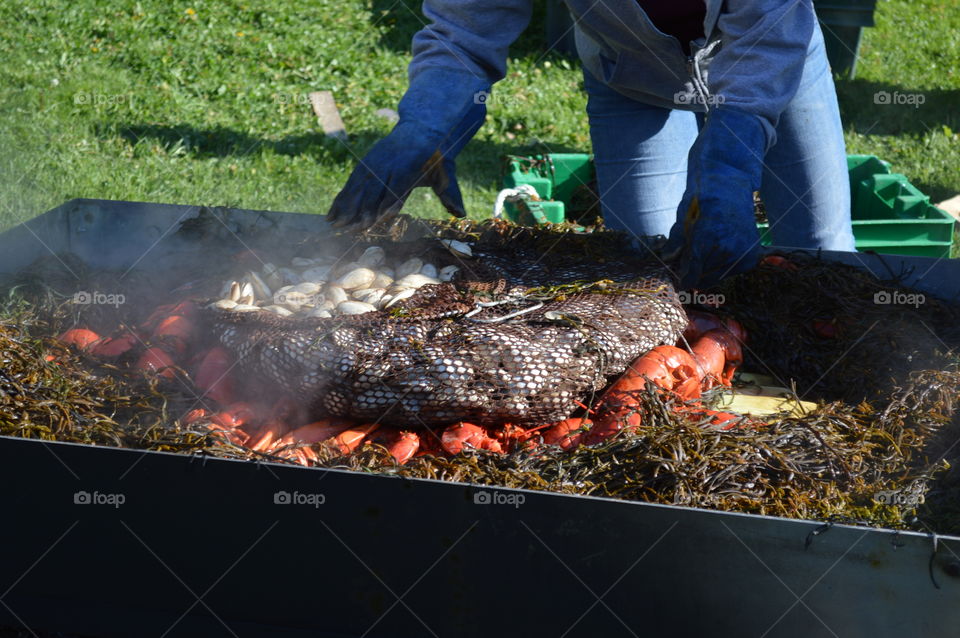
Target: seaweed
{"points": [[839, 461], [880, 449], [49, 391], [834, 330]]}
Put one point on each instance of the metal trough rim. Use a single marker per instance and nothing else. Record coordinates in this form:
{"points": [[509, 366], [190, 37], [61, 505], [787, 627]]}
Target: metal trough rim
{"points": [[203, 460]]}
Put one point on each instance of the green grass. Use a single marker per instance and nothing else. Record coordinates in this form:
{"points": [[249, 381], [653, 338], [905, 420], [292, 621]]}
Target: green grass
{"points": [[205, 102], [913, 51]]}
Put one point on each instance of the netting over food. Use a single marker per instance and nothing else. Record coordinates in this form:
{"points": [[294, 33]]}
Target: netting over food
{"points": [[479, 351]]}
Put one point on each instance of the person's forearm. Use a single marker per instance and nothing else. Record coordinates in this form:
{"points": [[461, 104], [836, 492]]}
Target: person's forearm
{"points": [[472, 36]]}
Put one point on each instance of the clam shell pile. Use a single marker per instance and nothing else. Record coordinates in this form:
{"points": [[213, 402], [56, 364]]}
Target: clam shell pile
{"points": [[328, 287]]}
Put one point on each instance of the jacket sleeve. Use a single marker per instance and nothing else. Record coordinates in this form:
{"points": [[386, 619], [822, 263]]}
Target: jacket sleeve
{"points": [[471, 36], [764, 47]]}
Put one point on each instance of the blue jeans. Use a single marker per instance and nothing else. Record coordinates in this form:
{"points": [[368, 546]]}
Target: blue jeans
{"points": [[641, 151]]}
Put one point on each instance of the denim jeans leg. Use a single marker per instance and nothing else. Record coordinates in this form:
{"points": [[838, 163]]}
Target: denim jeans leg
{"points": [[640, 152], [805, 186]]}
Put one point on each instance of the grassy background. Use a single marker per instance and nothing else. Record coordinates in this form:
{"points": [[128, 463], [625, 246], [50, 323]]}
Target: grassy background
{"points": [[913, 49], [205, 102]]}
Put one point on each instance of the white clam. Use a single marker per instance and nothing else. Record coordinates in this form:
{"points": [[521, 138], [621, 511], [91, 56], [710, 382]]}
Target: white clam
{"points": [[429, 270], [382, 280], [372, 257], [357, 278], [279, 310], [356, 293], [224, 304], [410, 266], [234, 291], [307, 287], [321, 313], [245, 307], [458, 248], [335, 295], [406, 293], [414, 281], [261, 290], [292, 299], [371, 296], [354, 308], [447, 273], [384, 301], [317, 274]]}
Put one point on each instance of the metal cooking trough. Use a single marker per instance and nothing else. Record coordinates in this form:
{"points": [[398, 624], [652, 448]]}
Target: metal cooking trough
{"points": [[207, 546]]}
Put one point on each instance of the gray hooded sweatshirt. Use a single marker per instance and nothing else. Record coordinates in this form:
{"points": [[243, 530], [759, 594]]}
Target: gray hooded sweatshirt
{"points": [[751, 58]]}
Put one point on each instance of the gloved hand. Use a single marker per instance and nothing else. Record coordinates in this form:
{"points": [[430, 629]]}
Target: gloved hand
{"points": [[716, 233], [439, 114]]}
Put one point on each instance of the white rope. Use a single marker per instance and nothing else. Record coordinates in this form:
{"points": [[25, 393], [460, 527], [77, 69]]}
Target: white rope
{"points": [[523, 192]]}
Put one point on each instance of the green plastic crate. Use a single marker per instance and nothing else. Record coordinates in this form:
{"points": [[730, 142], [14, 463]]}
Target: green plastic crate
{"points": [[860, 167], [888, 213], [559, 178], [893, 216]]}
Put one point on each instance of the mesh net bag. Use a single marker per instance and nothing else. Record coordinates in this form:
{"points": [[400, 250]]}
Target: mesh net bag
{"points": [[517, 340]]}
